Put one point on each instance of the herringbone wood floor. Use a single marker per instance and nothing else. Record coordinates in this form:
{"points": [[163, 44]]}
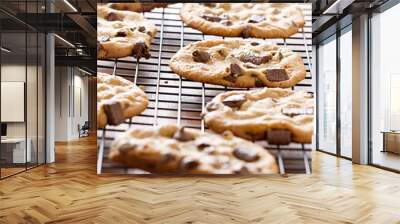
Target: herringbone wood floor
{"points": [[69, 191]]}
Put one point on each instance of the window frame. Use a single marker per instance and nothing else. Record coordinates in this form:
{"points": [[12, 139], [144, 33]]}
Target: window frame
{"points": [[334, 37]]}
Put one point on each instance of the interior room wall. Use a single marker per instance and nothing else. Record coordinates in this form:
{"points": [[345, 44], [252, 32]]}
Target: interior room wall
{"points": [[80, 109], [62, 104], [15, 72], [71, 102]]}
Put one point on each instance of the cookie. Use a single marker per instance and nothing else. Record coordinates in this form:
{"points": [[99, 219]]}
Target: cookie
{"points": [[123, 33], [242, 63], [261, 20], [278, 115], [136, 7], [175, 150], [117, 100]]}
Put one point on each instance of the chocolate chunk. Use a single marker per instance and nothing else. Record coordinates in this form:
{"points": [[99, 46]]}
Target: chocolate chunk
{"points": [[235, 69], [235, 72], [140, 50], [277, 56], [121, 34], [114, 112], [254, 43], [246, 32], [246, 154], [132, 29], [211, 106], [258, 82], [189, 164], [255, 59], [202, 146], [113, 17], [142, 29], [226, 22], [242, 170], [214, 18], [183, 136], [168, 157], [291, 112], [234, 101], [279, 137], [104, 38], [149, 33], [222, 52], [209, 4], [276, 74], [200, 56], [256, 19]]}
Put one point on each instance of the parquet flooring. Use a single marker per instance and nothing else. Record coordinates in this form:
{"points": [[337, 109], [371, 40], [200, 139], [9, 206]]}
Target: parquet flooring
{"points": [[69, 191], [11, 170]]}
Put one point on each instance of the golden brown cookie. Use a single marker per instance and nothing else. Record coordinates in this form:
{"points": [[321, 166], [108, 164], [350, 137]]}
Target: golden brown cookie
{"points": [[263, 114], [117, 100], [123, 33], [174, 150], [261, 20], [240, 63], [136, 7]]}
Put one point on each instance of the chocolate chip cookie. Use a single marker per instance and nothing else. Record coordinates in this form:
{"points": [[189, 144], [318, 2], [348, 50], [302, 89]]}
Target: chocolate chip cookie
{"points": [[261, 20], [278, 115], [123, 33], [239, 63], [117, 100], [136, 7], [178, 150]]}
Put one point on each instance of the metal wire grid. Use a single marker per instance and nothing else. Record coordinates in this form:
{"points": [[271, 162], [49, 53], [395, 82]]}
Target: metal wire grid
{"points": [[175, 99]]}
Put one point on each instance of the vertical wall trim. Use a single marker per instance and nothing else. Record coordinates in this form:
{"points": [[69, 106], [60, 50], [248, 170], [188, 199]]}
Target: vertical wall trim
{"points": [[370, 154], [50, 99], [37, 94], [360, 90], [315, 84], [25, 91], [0, 91], [338, 99], [73, 92]]}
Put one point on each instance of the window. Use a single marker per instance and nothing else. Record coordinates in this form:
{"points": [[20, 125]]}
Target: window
{"points": [[385, 89], [22, 101], [327, 95], [346, 92]]}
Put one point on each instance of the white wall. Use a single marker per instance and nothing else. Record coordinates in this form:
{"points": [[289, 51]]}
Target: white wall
{"points": [[12, 73], [34, 125], [70, 84]]}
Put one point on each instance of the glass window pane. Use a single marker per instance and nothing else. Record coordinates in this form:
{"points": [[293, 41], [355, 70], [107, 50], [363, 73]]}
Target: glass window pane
{"points": [[327, 96], [31, 97], [385, 114], [14, 150], [346, 94]]}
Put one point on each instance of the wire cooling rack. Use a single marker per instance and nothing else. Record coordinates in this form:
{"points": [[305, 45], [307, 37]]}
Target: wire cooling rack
{"points": [[173, 99]]}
